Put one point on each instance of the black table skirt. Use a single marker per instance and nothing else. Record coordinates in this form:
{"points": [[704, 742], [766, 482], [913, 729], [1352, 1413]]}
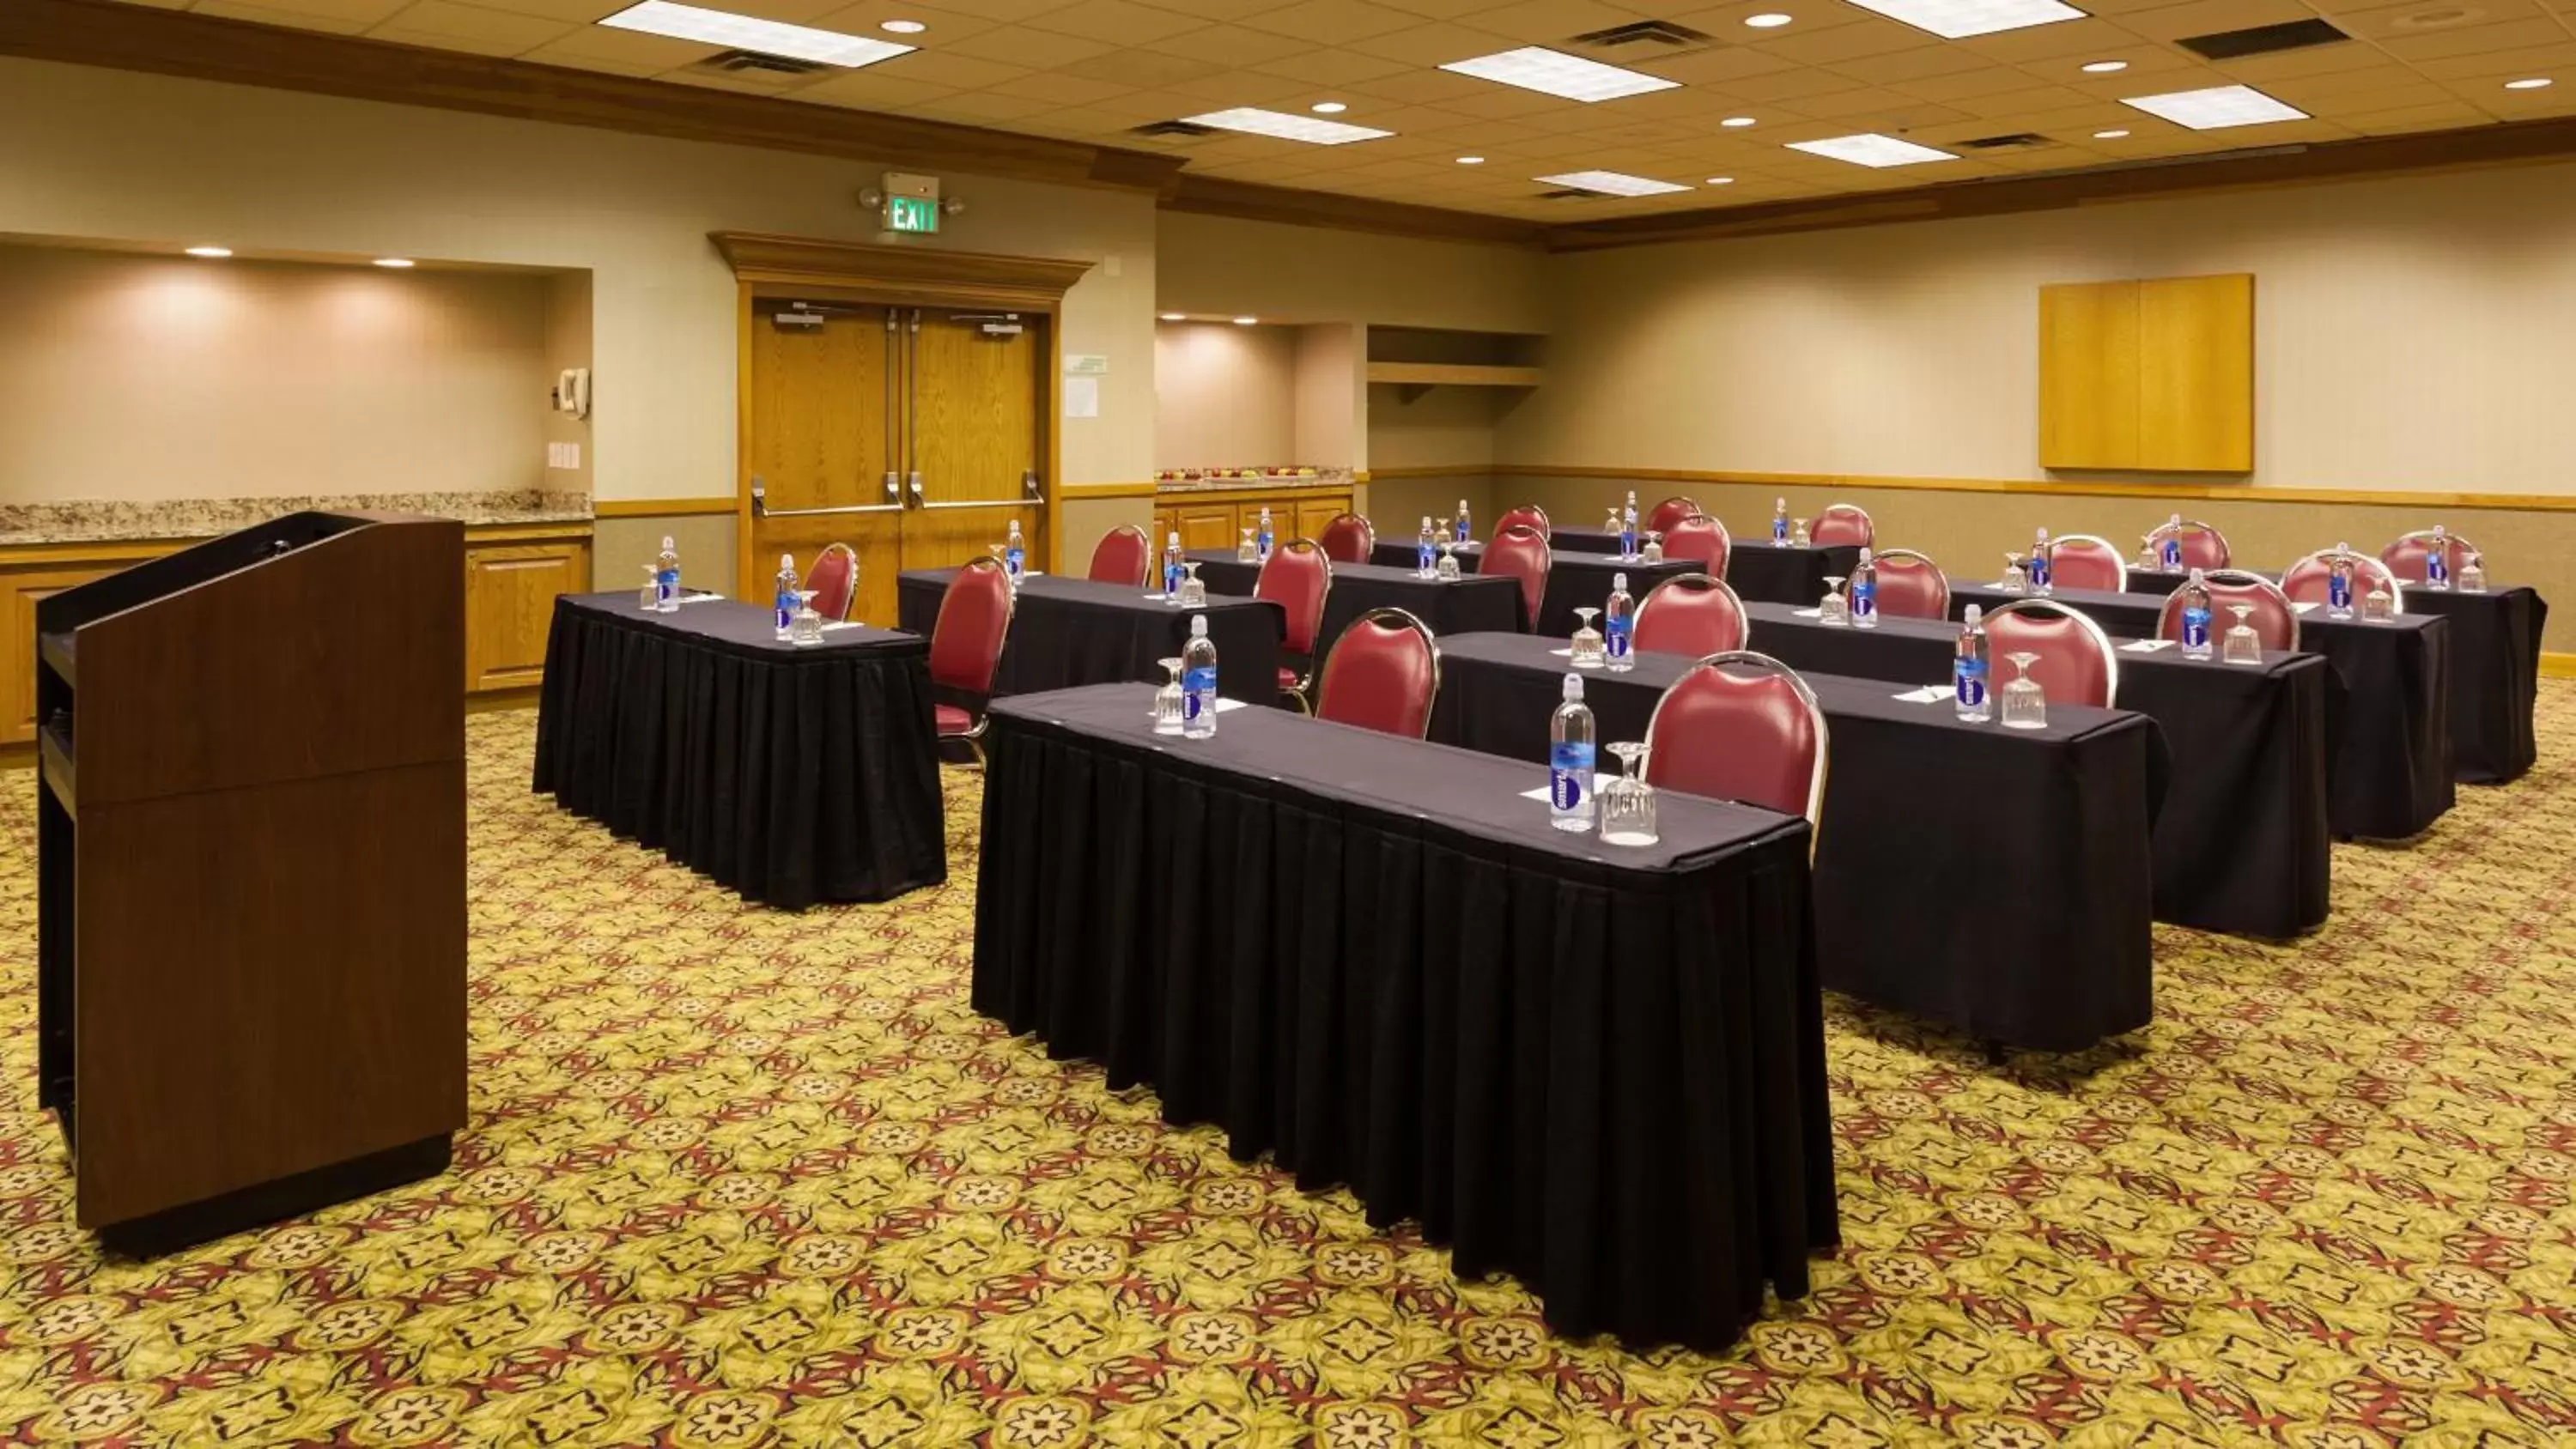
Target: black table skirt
{"points": [[1582, 581], [791, 775], [1994, 881], [1606, 1079], [1759, 572], [1398, 553], [1068, 632], [2241, 843], [1462, 605]]}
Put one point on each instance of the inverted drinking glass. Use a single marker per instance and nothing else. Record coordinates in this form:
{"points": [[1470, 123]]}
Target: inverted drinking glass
{"points": [[1448, 569], [651, 599], [1833, 608], [1193, 590], [1628, 803], [2242, 645], [1167, 700], [2378, 606], [2025, 704], [805, 626], [1247, 551], [2473, 575], [2014, 580], [1588, 643], [1798, 533]]}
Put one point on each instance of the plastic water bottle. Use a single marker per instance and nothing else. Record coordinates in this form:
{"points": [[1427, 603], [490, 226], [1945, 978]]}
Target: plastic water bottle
{"points": [[1172, 568], [2039, 570], [1968, 670], [1466, 530], [1426, 555], [1015, 554], [2169, 552], [1628, 528], [666, 578], [1198, 682], [784, 601], [1780, 523], [1864, 591], [1618, 621], [2339, 582], [2437, 564], [1261, 540], [1569, 761], [2195, 617]]}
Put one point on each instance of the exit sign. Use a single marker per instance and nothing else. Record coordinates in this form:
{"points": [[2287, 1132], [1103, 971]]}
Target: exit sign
{"points": [[912, 213]]}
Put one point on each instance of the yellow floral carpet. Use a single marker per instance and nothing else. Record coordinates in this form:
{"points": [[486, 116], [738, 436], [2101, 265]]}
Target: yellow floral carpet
{"points": [[738, 1178]]}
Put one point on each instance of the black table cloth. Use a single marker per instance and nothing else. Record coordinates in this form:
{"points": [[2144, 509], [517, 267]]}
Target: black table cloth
{"points": [[1935, 833], [793, 775], [1599, 1069], [1067, 631], [2388, 759], [1582, 581], [1459, 605], [2242, 840], [1756, 570], [2495, 670], [1399, 553]]}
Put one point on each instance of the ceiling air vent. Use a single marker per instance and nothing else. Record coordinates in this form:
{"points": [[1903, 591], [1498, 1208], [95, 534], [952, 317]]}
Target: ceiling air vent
{"points": [[1182, 130], [1570, 193], [2262, 40], [1644, 40], [2017, 141], [739, 61]]}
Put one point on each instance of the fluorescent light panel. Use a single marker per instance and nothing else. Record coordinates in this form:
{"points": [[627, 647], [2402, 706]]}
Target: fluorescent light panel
{"points": [[1553, 72], [1253, 120], [1959, 19], [1871, 149], [1613, 183], [2216, 108], [745, 32]]}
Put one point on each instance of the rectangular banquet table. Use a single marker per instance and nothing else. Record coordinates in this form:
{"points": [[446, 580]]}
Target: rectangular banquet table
{"points": [[1599, 1069], [1582, 581], [1934, 833], [793, 775], [2241, 841], [1459, 605], [1754, 569], [2495, 670], [2388, 770], [1068, 631]]}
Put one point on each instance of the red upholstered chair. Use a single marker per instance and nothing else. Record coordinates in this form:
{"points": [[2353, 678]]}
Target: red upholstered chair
{"points": [[2076, 663], [966, 644], [2087, 561], [1911, 585], [1383, 674], [1123, 556], [2203, 547], [1297, 577], [2311, 579], [1842, 523], [1669, 512], [1521, 552], [834, 580], [2405, 557], [1349, 538], [1691, 614], [1702, 540], [1528, 515], [2273, 620], [1741, 726]]}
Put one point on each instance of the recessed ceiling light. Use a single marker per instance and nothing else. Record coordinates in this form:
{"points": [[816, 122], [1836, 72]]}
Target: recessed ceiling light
{"points": [[903, 27], [1767, 20], [1553, 72], [1721, 181], [1328, 108], [1737, 121], [1252, 120], [745, 32], [1871, 149], [2108, 135], [397, 263], [2531, 84], [1471, 160], [2104, 67], [1245, 321], [1959, 19], [2216, 108], [210, 251], [1175, 316], [1612, 183]]}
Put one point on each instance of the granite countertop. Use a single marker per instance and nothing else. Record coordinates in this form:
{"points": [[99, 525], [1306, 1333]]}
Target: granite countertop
{"points": [[1323, 478], [105, 520]]}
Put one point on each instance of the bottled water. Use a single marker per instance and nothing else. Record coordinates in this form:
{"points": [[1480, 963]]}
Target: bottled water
{"points": [[1628, 527], [1618, 620], [2169, 551], [1172, 568], [1261, 540], [783, 602], [1569, 761], [666, 578], [2039, 569], [1198, 682], [2437, 564], [1466, 531], [1864, 591], [1968, 670], [1780, 524], [2195, 617], [1015, 554], [2339, 582], [1426, 557]]}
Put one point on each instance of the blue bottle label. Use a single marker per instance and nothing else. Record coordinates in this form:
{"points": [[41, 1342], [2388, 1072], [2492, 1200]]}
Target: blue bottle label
{"points": [[1969, 681], [1864, 599], [1462, 528], [1779, 530], [786, 605], [1628, 543], [1171, 578], [2436, 567], [1423, 557], [2339, 591], [1614, 637], [666, 585], [2172, 554], [1015, 559], [1198, 691], [2195, 628], [1567, 765], [2039, 571]]}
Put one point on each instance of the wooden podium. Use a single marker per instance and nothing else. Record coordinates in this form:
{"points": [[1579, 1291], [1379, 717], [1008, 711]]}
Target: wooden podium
{"points": [[251, 873]]}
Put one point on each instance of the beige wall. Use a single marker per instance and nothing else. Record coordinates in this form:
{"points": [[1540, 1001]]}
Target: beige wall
{"points": [[1220, 267], [568, 345], [1224, 396], [1331, 398], [621, 547]]}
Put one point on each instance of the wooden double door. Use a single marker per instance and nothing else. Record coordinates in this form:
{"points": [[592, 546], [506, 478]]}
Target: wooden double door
{"points": [[916, 435]]}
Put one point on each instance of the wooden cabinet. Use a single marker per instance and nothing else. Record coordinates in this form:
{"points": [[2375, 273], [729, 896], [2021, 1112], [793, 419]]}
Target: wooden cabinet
{"points": [[1216, 518], [20, 591], [511, 579], [1208, 524]]}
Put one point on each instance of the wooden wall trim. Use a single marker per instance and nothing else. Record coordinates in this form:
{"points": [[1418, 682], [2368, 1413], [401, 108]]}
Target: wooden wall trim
{"points": [[1250, 201], [1073, 491], [136, 550], [204, 47], [1435, 470], [663, 507], [2231, 493], [2558, 666], [906, 274]]}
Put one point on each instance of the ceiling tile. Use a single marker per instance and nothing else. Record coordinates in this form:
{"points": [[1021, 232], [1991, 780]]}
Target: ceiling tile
{"points": [[1035, 49], [2376, 101], [1117, 22], [1915, 64], [1437, 87], [1241, 88], [1008, 12], [1987, 81], [623, 50], [1718, 67], [1232, 45], [1331, 22], [1432, 45], [2300, 90], [1556, 22], [299, 19], [2257, 70], [2085, 38], [2558, 59], [981, 108], [1331, 67], [870, 89], [863, 18], [2207, 17], [2416, 118], [2475, 39], [1141, 68], [1841, 42], [2379, 20], [1062, 90], [952, 70]]}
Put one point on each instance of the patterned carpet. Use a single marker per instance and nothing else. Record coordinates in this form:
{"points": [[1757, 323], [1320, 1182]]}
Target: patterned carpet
{"points": [[739, 1178]]}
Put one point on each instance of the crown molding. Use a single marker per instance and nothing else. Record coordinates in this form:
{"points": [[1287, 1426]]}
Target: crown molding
{"points": [[1249, 201], [909, 274]]}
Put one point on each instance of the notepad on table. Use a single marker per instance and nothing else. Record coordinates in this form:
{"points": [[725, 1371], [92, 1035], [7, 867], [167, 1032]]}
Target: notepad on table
{"points": [[2145, 646]]}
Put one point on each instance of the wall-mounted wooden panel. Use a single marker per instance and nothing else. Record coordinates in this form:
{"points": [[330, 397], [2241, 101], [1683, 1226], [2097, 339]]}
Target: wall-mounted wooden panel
{"points": [[2155, 375], [2088, 375]]}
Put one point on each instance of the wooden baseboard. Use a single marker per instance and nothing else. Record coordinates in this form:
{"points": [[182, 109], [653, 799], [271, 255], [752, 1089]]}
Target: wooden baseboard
{"points": [[2558, 666], [664, 507]]}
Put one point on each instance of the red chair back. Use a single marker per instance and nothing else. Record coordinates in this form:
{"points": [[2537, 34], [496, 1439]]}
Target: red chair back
{"points": [[834, 580], [1521, 552], [1691, 614], [2405, 557], [2203, 547], [1669, 512], [1349, 538], [2272, 620], [2311, 579], [2087, 561], [1741, 726], [1702, 540], [1843, 523], [1528, 515], [974, 620], [1123, 556], [1296, 577], [1911, 585], [1383, 674], [2076, 664]]}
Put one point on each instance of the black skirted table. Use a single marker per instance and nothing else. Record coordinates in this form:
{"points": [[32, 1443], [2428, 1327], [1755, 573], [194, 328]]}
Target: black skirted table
{"points": [[2495, 670], [1401, 553], [2241, 841], [1995, 881], [793, 775], [2388, 762], [1067, 632], [1754, 569], [1582, 581], [1599, 1069], [1458, 605]]}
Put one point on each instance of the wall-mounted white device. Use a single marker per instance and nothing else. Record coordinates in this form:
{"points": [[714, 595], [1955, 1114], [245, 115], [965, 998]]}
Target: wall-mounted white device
{"points": [[572, 392]]}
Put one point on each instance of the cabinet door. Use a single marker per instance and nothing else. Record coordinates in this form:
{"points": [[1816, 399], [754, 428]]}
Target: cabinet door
{"points": [[1314, 513], [19, 595], [1205, 525], [509, 605]]}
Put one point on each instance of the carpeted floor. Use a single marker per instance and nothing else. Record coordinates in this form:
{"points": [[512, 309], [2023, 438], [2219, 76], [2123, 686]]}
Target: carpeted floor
{"points": [[740, 1178]]}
